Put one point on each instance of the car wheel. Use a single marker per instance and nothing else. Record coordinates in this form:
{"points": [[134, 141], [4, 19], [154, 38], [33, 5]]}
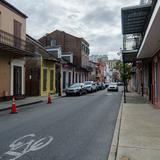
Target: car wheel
{"points": [[80, 93]]}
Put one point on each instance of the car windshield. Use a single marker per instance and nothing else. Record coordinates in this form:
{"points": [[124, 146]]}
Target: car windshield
{"points": [[75, 85], [113, 83], [88, 82]]}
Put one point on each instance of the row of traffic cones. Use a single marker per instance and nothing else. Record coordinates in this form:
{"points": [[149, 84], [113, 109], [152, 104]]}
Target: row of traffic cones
{"points": [[14, 108]]}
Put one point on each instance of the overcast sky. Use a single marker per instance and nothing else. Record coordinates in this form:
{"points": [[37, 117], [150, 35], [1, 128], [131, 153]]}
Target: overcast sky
{"points": [[98, 21]]}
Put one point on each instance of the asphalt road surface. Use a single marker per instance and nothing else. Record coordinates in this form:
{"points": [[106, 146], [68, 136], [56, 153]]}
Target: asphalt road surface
{"points": [[71, 128]]}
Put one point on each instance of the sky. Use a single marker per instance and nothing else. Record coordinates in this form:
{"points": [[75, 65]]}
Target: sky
{"points": [[98, 21]]}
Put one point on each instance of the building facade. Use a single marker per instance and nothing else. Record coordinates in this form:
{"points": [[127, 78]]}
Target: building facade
{"points": [[92, 75], [100, 71], [69, 43], [13, 49], [40, 71], [144, 53], [65, 70]]}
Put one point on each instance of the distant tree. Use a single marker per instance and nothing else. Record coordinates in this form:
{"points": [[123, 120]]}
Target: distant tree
{"points": [[119, 66], [115, 76]]}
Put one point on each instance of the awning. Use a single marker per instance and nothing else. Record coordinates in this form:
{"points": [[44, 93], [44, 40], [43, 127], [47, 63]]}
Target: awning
{"points": [[151, 41], [135, 18]]}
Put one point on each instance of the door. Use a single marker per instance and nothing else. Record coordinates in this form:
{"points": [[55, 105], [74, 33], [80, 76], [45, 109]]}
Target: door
{"points": [[69, 79], [64, 80], [44, 79], [17, 80], [150, 81], [51, 80], [17, 34], [156, 82], [58, 79]]}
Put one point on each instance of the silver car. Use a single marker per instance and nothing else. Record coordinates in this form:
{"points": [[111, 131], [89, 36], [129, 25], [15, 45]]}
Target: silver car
{"points": [[76, 89], [113, 87], [90, 86]]}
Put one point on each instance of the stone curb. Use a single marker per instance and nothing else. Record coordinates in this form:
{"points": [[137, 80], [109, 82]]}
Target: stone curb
{"points": [[28, 104], [22, 105], [115, 139]]}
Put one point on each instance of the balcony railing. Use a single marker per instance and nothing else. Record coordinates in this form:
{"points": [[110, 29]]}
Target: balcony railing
{"points": [[88, 67], [131, 42], [10, 40]]}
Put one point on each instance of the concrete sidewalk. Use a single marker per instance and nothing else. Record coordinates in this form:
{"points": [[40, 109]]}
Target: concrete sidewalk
{"points": [[27, 101], [137, 132]]}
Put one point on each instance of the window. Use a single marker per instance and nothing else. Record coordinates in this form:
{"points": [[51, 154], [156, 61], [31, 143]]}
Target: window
{"points": [[76, 78], [79, 77], [17, 29], [51, 79], [44, 79], [53, 42], [17, 33]]}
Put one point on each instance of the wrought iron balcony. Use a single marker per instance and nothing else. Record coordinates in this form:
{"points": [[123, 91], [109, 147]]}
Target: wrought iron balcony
{"points": [[88, 67], [132, 42], [11, 43]]}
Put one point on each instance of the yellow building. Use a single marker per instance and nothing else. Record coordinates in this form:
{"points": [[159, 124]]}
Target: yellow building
{"points": [[48, 77], [40, 71]]}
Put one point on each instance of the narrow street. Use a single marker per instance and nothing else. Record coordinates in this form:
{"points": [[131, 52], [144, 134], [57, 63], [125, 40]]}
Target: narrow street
{"points": [[71, 128]]}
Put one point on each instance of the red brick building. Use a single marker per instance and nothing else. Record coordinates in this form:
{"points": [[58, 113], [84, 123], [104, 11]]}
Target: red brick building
{"points": [[69, 43], [100, 69]]}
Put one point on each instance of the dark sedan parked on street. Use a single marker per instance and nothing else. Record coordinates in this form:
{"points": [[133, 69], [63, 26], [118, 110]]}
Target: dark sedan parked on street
{"points": [[76, 89], [100, 86]]}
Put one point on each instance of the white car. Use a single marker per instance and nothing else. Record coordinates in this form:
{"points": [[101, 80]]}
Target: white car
{"points": [[90, 86], [113, 87]]}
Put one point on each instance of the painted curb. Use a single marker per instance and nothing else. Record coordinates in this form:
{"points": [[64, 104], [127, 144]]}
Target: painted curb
{"points": [[115, 140]]}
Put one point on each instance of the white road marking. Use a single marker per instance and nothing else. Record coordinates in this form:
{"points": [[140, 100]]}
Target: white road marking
{"points": [[109, 94], [27, 144]]}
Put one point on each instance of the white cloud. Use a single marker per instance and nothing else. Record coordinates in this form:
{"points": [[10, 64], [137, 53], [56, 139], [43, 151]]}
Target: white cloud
{"points": [[98, 21]]}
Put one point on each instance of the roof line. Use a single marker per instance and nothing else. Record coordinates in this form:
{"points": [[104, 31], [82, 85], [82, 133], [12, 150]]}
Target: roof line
{"points": [[81, 38], [136, 7], [11, 7]]}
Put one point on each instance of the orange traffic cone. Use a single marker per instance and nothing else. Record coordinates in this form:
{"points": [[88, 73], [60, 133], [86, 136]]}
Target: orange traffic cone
{"points": [[13, 108], [49, 99]]}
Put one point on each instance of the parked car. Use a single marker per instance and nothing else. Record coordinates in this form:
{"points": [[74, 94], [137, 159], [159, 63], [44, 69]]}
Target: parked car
{"points": [[90, 86], [76, 89], [103, 85], [113, 87], [120, 83], [107, 84], [100, 86]]}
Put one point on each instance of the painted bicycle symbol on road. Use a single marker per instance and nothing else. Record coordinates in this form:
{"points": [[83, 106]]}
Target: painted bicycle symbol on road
{"points": [[26, 144]]}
